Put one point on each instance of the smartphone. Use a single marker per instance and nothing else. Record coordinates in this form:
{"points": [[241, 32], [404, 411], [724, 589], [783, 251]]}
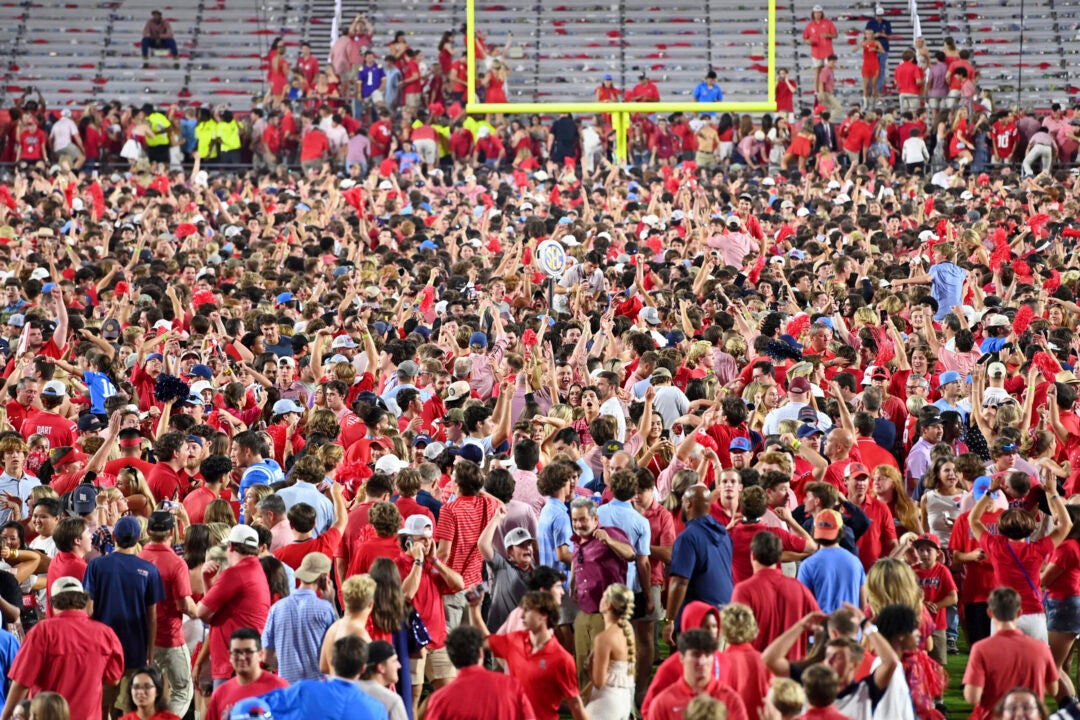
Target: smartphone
{"points": [[665, 434], [884, 315]]}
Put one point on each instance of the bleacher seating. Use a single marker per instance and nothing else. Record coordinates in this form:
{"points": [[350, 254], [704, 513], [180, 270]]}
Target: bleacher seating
{"points": [[75, 52]]}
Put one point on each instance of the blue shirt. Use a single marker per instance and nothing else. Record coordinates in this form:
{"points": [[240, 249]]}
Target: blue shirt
{"points": [[187, 133], [100, 387], [553, 530], [702, 555], [622, 515], [393, 82], [295, 629], [834, 576], [880, 26], [305, 492], [332, 699], [946, 287], [20, 487], [123, 587], [703, 93], [371, 77], [9, 645], [428, 501], [586, 475]]}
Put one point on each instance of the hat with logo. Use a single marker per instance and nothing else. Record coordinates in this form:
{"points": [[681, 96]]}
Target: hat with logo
{"points": [[739, 444], [343, 341], [856, 470], [127, 531], [390, 464], [996, 370], [516, 537], [611, 447], [84, 499], [827, 525], [285, 406], [458, 390], [808, 430], [90, 423], [65, 584], [928, 539]]}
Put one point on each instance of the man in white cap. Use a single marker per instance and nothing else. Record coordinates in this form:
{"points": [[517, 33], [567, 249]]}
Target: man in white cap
{"points": [[66, 141], [819, 34], [67, 654], [509, 574], [296, 624], [238, 597]]}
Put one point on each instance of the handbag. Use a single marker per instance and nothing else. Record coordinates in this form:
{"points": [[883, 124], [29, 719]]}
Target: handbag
{"points": [[418, 635]]}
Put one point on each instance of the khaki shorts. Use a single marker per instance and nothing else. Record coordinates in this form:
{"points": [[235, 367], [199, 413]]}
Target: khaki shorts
{"points": [[640, 605], [435, 665], [70, 151], [817, 62]]}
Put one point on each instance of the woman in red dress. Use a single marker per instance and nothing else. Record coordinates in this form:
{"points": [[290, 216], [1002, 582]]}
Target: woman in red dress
{"points": [[871, 68], [496, 83], [277, 71], [959, 141]]}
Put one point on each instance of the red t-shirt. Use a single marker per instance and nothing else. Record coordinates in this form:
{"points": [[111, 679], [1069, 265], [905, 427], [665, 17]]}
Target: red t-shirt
{"points": [[239, 598], [232, 692], [670, 704], [778, 603], [1067, 584], [881, 535], [548, 675], [65, 564], [937, 582], [16, 413], [1005, 660], [428, 600], [412, 70], [357, 530], [1009, 571], [315, 146], [909, 79], [294, 553], [177, 581], [166, 483], [371, 550], [461, 521], [32, 144], [408, 506], [742, 533], [380, 135], [144, 387], [57, 429], [113, 467], [979, 578]]}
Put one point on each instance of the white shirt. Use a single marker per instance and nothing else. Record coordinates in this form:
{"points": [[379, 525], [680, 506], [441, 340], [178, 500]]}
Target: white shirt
{"points": [[63, 132], [790, 412], [614, 408], [915, 150]]}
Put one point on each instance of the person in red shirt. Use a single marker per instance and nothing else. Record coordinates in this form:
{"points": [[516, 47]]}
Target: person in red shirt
{"points": [[777, 601], [273, 140], [697, 650], [170, 651], [307, 64], [73, 542], [358, 529], [1004, 135], [909, 82], [171, 450], [302, 519], [644, 91], [738, 627], [412, 82], [408, 482], [59, 431], [492, 695], [754, 505], [32, 142], [314, 148], [214, 470], [68, 654], [22, 404], [939, 588], [246, 657], [880, 540], [859, 136], [785, 91], [534, 657], [238, 597]]}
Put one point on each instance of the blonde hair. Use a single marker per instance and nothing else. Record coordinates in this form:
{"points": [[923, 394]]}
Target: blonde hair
{"points": [[907, 512], [698, 350], [891, 581], [704, 707], [738, 624], [621, 600], [219, 532], [49, 706], [136, 483], [358, 592], [787, 697], [40, 492]]}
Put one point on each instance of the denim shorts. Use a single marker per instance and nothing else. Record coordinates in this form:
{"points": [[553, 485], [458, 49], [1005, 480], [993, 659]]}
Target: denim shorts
{"points": [[1063, 616]]}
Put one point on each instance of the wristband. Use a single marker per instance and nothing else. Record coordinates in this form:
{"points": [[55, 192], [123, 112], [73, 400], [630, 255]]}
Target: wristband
{"points": [[870, 630], [417, 563], [795, 445]]}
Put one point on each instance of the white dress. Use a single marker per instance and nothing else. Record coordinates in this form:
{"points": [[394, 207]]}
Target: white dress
{"points": [[615, 700]]}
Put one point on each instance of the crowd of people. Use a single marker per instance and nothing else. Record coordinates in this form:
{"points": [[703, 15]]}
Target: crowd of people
{"points": [[294, 434]]}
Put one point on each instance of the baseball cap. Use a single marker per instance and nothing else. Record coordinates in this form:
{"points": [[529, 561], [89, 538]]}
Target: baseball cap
{"points": [[201, 371], [244, 535], [285, 405], [383, 441], [84, 499], [409, 368], [434, 450], [251, 709], [17, 320], [127, 531], [827, 525], [417, 525], [660, 373], [881, 372], [980, 487], [807, 414], [929, 539], [454, 415], [611, 447], [478, 338], [65, 584], [390, 464], [161, 521], [456, 391], [90, 423], [343, 341], [313, 566], [54, 388], [110, 329], [996, 370], [379, 652], [471, 452], [855, 470], [517, 536], [997, 320], [807, 430], [740, 444], [799, 385], [949, 376], [421, 439]]}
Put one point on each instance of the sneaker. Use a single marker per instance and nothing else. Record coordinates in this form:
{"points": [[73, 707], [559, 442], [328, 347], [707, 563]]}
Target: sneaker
{"points": [[951, 647]]}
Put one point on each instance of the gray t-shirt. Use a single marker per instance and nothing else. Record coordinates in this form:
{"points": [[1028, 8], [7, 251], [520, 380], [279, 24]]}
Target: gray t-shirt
{"points": [[507, 589], [389, 699]]}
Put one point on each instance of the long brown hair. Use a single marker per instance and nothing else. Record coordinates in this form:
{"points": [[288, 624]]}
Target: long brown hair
{"points": [[390, 610]]}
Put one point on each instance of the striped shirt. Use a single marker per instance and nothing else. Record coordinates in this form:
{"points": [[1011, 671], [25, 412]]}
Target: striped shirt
{"points": [[461, 521]]}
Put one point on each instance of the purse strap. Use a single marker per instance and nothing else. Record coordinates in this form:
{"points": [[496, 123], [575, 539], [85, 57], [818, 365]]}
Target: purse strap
{"points": [[1027, 575]]}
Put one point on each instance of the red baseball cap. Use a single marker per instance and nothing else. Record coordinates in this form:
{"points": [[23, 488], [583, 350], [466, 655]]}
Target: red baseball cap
{"points": [[929, 539], [856, 469]]}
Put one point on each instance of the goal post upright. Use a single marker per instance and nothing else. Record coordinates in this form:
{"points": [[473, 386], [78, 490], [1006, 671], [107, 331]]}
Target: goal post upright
{"points": [[620, 111]]}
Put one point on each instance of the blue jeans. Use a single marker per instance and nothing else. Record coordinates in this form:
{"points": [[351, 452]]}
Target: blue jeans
{"points": [[952, 620], [883, 65], [167, 43]]}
